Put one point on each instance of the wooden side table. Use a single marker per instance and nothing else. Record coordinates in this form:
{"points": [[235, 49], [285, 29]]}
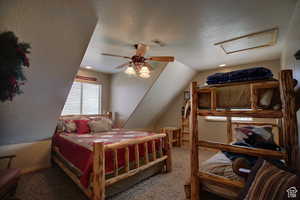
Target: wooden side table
{"points": [[174, 134]]}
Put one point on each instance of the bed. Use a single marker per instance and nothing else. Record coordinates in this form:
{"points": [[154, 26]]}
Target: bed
{"points": [[220, 165], [100, 163], [215, 175]]}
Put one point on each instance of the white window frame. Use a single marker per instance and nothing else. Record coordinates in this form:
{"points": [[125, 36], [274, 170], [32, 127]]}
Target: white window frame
{"points": [[81, 98]]}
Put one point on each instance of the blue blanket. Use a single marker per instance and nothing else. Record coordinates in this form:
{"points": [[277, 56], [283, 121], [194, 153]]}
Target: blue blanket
{"points": [[251, 74]]}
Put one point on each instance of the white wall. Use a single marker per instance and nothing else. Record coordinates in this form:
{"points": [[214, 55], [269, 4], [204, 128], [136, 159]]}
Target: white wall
{"points": [[127, 92], [104, 80], [171, 81], [215, 131], [59, 32]]}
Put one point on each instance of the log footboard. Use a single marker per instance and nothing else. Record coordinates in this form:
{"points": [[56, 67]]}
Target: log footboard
{"points": [[99, 182]]}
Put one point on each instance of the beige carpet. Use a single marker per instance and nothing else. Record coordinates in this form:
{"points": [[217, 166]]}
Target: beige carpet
{"points": [[53, 184]]}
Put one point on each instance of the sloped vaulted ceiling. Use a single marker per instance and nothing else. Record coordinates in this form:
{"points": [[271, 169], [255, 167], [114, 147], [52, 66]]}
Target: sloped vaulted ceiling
{"points": [[188, 28], [59, 32]]}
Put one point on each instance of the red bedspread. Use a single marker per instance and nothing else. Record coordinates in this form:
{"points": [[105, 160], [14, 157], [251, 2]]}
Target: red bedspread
{"points": [[77, 149]]}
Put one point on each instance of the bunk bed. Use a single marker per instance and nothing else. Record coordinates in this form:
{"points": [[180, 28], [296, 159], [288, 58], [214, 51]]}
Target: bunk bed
{"points": [[229, 186], [103, 164]]}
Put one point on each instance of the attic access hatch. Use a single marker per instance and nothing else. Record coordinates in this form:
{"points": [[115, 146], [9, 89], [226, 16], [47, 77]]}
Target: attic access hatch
{"points": [[250, 41]]}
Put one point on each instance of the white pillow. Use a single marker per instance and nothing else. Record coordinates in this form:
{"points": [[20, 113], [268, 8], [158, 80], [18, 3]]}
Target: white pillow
{"points": [[266, 98], [70, 126], [100, 125]]}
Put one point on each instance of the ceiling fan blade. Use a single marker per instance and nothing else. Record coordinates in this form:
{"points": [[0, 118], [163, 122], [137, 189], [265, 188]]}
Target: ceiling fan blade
{"points": [[149, 66], [123, 65], [141, 49], [162, 58], [108, 54]]}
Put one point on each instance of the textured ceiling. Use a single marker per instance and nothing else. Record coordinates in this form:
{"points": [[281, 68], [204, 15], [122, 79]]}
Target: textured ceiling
{"points": [[189, 29]]}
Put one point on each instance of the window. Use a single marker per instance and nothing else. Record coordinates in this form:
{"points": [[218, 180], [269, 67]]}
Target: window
{"points": [[83, 98], [218, 118]]}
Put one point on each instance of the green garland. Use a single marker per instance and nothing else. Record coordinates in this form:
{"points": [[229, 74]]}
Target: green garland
{"points": [[12, 60]]}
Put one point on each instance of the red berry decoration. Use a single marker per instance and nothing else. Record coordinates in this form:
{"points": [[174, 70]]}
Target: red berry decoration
{"points": [[12, 60]]}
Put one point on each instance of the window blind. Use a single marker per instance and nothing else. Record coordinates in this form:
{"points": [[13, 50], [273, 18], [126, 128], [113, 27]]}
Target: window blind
{"points": [[83, 98], [73, 103], [90, 98]]}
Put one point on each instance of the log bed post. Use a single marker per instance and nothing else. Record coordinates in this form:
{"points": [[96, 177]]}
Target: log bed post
{"points": [[98, 192], [290, 129], [168, 149], [194, 165]]}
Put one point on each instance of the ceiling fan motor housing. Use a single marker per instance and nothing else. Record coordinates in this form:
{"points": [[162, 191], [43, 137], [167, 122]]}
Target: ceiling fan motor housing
{"points": [[138, 59]]}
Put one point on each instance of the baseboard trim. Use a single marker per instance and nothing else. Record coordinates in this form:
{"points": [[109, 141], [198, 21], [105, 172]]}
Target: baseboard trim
{"points": [[34, 169]]}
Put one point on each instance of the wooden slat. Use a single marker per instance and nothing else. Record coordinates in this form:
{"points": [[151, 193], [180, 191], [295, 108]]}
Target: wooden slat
{"points": [[262, 82], [134, 171], [253, 97], [194, 159], [290, 128], [229, 130], [213, 99], [153, 150], [212, 178], [243, 150], [160, 148], [123, 144], [266, 85], [137, 155], [238, 113], [255, 124], [126, 159], [98, 171], [280, 133], [204, 90], [116, 167], [146, 152]]}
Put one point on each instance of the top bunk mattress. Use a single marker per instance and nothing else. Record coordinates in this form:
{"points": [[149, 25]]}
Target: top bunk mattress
{"points": [[239, 97]]}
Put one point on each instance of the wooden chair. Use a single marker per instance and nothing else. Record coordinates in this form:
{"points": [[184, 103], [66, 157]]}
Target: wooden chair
{"points": [[9, 178]]}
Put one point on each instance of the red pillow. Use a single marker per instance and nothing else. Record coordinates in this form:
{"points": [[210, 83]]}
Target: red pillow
{"points": [[82, 126]]}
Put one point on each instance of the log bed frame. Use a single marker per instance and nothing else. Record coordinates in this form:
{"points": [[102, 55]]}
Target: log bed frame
{"points": [[99, 182], [287, 129]]}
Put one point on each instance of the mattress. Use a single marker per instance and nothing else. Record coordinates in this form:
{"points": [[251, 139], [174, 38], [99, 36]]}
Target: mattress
{"points": [[238, 96], [77, 149], [220, 165]]}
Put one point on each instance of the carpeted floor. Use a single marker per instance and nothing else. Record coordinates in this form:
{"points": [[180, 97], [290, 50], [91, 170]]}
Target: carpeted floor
{"points": [[53, 184]]}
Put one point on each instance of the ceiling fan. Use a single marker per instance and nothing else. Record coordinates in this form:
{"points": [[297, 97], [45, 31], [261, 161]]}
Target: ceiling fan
{"points": [[138, 63]]}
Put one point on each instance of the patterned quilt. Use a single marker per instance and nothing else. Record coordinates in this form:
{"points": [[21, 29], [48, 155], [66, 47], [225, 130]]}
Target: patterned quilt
{"points": [[77, 149]]}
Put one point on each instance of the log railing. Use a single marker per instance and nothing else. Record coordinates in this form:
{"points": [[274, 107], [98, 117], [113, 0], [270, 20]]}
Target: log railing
{"points": [[242, 113], [99, 182], [243, 150], [220, 180]]}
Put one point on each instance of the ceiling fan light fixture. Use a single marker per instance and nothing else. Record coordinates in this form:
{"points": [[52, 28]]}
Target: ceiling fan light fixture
{"points": [[145, 75], [130, 71], [144, 69]]}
